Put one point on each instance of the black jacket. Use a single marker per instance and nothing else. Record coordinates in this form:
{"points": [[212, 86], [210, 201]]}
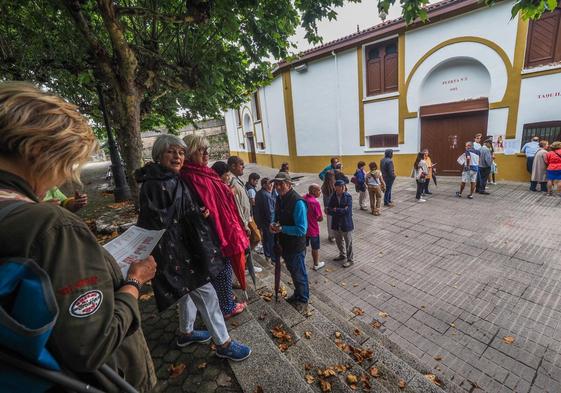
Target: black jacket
{"points": [[386, 166], [188, 254]]}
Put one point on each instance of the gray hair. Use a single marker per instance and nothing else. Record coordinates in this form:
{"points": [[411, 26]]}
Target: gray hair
{"points": [[194, 143], [163, 143]]}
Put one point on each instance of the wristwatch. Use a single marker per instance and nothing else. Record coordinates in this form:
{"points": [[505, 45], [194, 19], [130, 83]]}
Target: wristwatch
{"points": [[134, 282]]}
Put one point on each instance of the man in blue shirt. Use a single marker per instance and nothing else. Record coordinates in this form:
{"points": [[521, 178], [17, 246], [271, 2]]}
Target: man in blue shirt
{"points": [[330, 167], [530, 149], [290, 227]]}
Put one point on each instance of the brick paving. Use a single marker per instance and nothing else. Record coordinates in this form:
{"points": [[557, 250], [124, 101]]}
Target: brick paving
{"points": [[456, 277]]}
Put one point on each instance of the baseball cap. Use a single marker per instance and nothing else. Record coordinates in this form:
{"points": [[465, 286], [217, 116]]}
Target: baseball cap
{"points": [[339, 183]]}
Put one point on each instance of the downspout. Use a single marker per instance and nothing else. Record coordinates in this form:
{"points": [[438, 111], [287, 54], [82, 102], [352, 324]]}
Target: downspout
{"points": [[338, 106]]}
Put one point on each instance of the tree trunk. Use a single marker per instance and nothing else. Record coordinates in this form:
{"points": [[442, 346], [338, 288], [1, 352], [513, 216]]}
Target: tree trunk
{"points": [[128, 136]]}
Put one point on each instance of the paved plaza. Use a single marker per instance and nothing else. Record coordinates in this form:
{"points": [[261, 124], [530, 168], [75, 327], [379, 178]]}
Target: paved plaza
{"points": [[471, 287]]}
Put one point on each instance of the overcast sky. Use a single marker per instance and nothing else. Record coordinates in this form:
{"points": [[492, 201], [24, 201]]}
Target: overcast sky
{"points": [[364, 14]]}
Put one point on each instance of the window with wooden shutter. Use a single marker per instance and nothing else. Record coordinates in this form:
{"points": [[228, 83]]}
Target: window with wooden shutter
{"points": [[256, 106], [382, 140], [544, 39], [381, 68]]}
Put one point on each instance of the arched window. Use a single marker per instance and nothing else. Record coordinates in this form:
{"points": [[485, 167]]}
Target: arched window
{"points": [[381, 68]]}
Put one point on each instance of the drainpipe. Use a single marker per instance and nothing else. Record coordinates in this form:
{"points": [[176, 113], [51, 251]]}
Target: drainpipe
{"points": [[338, 106]]}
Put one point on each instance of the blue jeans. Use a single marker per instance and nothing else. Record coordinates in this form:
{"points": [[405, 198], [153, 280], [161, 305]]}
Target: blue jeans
{"points": [[268, 241], [388, 192], [297, 268]]}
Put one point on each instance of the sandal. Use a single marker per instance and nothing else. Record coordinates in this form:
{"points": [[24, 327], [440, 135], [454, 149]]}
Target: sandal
{"points": [[238, 308]]}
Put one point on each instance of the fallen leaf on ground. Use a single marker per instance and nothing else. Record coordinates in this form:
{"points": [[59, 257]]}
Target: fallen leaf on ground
{"points": [[423, 307], [376, 324], [308, 366], [328, 270], [338, 334], [383, 314], [351, 378], [283, 347], [355, 285], [343, 284], [328, 372], [258, 389], [438, 358], [176, 369], [357, 332], [308, 335], [434, 379], [118, 205], [358, 311], [340, 368], [374, 372], [146, 296], [453, 324], [325, 386], [235, 324], [202, 365], [508, 340], [401, 384], [310, 379]]}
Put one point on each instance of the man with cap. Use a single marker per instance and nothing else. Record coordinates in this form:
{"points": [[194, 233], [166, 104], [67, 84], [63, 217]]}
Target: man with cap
{"points": [[530, 149], [291, 224], [340, 207], [485, 162]]}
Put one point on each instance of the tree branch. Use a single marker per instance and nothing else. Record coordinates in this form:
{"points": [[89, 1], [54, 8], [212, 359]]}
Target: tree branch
{"points": [[148, 13]]}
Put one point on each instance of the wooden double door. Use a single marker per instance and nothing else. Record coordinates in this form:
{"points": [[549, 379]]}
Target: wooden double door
{"points": [[445, 128]]}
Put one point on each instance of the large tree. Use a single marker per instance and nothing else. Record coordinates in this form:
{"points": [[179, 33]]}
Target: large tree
{"points": [[155, 57]]}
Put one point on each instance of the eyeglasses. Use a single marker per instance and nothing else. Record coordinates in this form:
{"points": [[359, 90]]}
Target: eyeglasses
{"points": [[203, 151]]}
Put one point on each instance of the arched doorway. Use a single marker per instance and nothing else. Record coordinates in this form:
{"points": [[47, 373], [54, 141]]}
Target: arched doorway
{"points": [[454, 107], [249, 134]]}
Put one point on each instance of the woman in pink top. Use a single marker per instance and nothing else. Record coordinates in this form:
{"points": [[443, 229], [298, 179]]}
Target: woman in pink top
{"points": [[553, 161], [314, 216]]}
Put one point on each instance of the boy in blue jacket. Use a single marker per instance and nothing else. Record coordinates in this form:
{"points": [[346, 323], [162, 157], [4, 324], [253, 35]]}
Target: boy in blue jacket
{"points": [[341, 208]]}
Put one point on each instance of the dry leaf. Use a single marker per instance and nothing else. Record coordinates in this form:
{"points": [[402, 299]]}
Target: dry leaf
{"points": [[401, 384], [376, 324], [147, 296], [202, 365], [438, 358], [374, 372], [508, 340], [329, 372], [307, 366], [308, 335], [383, 314], [338, 335], [343, 284], [325, 386], [355, 285], [328, 270], [176, 369], [340, 368], [357, 332], [453, 324], [358, 311], [351, 379], [310, 379], [235, 324], [258, 389], [283, 347], [434, 379]]}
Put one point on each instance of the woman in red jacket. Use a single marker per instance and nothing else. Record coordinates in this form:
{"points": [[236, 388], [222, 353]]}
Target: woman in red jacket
{"points": [[553, 161]]}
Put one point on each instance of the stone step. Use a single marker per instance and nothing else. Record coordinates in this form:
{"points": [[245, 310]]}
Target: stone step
{"points": [[266, 370], [329, 328]]}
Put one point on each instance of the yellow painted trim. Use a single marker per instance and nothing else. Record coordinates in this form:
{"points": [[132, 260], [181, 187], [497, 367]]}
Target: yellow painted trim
{"points": [[360, 78], [512, 96], [402, 88], [457, 40], [289, 116], [498, 105], [541, 73]]}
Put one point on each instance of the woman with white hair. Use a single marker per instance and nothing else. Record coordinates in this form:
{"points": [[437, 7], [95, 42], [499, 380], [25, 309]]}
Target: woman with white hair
{"points": [[188, 255]]}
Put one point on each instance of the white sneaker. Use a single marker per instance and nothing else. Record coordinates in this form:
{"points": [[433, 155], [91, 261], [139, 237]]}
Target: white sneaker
{"points": [[421, 200], [259, 249], [319, 266]]}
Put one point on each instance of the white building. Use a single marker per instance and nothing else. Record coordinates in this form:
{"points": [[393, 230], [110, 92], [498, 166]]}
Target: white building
{"points": [[470, 69]]}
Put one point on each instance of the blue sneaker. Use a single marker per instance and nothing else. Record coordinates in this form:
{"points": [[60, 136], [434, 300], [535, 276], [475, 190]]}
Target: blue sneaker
{"points": [[197, 336], [235, 351]]}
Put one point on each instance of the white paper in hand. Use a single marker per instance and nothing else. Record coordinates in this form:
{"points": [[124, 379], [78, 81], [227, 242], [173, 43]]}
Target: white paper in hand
{"points": [[133, 245]]}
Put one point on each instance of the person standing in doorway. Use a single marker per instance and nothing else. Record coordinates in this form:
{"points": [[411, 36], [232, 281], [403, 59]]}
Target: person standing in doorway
{"points": [[314, 216], [341, 209], [428, 161], [388, 173], [539, 168], [485, 163], [291, 224], [328, 189], [375, 183], [359, 180], [470, 163]]}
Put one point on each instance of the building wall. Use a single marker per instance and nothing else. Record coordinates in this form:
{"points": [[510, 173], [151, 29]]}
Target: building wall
{"points": [[478, 54]]}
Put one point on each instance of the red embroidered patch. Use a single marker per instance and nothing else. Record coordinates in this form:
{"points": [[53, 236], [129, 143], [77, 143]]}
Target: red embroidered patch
{"points": [[84, 282]]}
